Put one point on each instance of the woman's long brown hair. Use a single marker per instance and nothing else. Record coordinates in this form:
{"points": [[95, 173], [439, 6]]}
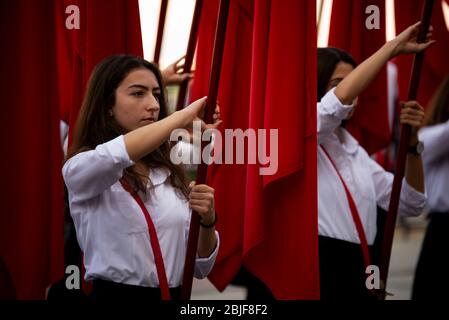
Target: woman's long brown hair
{"points": [[94, 126]]}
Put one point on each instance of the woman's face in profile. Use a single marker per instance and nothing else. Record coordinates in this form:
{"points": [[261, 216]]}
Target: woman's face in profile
{"points": [[342, 69], [137, 100]]}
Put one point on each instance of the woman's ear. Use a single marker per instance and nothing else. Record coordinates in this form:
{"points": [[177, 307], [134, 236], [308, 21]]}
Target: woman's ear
{"points": [[111, 114]]}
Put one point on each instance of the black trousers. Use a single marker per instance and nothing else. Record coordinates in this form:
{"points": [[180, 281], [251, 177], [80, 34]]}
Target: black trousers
{"points": [[431, 279], [107, 290], [342, 270]]}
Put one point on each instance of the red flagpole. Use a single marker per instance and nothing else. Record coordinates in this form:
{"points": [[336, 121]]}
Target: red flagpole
{"points": [[217, 58], [190, 53], [402, 153], [160, 31]]}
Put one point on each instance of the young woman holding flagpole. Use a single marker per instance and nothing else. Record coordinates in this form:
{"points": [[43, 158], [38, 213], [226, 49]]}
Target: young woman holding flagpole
{"points": [[131, 206], [350, 183]]}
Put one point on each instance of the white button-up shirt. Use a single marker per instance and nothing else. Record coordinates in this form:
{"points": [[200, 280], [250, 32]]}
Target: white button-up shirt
{"points": [[436, 165], [111, 228], [370, 185]]}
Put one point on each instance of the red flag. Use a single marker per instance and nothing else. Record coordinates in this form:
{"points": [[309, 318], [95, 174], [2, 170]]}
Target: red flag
{"points": [[65, 41], [349, 32], [31, 216], [435, 66], [267, 223], [106, 27]]}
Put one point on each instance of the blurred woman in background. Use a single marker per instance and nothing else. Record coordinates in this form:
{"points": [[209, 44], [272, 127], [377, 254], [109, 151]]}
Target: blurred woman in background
{"points": [[430, 280]]}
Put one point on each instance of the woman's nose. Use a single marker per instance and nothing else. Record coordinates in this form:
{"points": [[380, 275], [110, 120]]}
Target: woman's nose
{"points": [[152, 104]]}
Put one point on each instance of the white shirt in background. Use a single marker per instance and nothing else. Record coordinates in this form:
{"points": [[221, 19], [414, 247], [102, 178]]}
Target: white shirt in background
{"points": [[436, 165], [370, 185]]}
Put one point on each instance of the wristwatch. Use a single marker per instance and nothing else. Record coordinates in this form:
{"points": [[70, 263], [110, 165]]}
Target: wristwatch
{"points": [[416, 149]]}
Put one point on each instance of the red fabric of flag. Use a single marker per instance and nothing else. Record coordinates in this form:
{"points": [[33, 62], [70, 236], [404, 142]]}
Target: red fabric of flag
{"points": [[348, 31], [268, 223], [31, 214], [106, 27]]}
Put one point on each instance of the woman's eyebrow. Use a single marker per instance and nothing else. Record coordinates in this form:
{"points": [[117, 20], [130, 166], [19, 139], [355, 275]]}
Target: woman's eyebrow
{"points": [[139, 86]]}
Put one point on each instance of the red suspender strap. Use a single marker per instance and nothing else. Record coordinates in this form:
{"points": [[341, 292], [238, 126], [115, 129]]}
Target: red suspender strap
{"points": [[355, 215], [163, 283]]}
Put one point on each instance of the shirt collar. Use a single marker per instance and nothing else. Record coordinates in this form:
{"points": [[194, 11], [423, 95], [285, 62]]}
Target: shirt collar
{"points": [[350, 144], [159, 175]]}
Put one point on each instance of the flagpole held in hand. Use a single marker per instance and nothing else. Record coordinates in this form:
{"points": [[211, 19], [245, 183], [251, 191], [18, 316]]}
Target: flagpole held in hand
{"points": [[217, 58], [402, 153]]}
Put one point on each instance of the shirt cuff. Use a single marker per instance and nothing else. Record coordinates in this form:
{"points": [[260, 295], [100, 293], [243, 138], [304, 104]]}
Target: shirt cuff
{"points": [[117, 149], [413, 201], [333, 106], [204, 265]]}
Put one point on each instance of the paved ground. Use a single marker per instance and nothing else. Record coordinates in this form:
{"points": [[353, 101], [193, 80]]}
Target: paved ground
{"points": [[406, 247], [405, 253]]}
